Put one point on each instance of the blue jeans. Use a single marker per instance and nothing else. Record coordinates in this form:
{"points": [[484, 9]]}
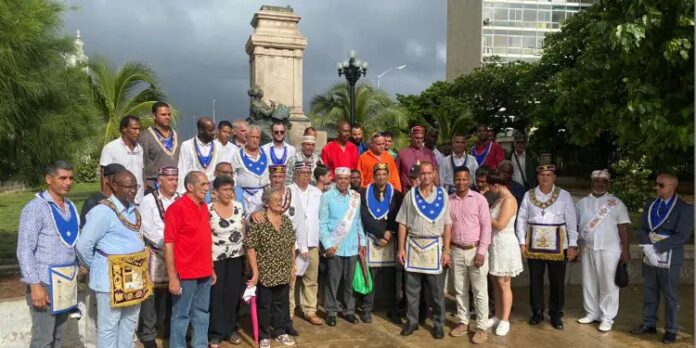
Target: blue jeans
{"points": [[192, 305], [115, 326]]}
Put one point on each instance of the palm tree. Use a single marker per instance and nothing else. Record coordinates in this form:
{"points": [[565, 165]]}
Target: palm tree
{"points": [[374, 110], [130, 90]]}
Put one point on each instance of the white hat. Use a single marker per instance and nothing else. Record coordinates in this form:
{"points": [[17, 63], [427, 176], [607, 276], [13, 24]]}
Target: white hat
{"points": [[309, 139], [600, 174], [342, 171]]}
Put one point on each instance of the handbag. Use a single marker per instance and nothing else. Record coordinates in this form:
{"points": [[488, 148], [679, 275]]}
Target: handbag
{"points": [[362, 283], [621, 278]]}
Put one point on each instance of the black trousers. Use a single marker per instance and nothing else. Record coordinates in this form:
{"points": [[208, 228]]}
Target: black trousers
{"points": [[155, 313], [273, 302], [224, 297], [557, 269], [384, 279]]}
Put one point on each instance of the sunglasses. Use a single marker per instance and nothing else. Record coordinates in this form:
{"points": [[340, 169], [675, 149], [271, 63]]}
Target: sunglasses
{"points": [[660, 185], [279, 132]]}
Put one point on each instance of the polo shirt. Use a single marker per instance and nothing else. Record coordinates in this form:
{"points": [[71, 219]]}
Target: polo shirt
{"points": [[187, 226]]}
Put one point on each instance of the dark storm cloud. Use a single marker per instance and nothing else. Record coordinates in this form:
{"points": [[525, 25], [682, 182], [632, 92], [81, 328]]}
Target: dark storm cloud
{"points": [[197, 47]]}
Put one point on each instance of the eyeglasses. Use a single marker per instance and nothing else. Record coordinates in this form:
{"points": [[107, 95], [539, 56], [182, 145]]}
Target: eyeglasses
{"points": [[279, 132], [660, 185], [226, 172], [132, 187]]}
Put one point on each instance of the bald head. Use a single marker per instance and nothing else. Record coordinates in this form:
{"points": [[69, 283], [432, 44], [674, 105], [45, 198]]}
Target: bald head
{"points": [[124, 186], [666, 185], [206, 129]]}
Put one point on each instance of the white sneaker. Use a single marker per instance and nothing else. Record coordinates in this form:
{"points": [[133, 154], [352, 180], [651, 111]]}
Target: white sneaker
{"points": [[286, 340], [265, 343], [492, 322], [503, 328], [605, 326], [588, 319]]}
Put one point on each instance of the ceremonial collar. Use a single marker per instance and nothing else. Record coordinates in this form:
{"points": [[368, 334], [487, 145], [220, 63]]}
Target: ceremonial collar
{"points": [[168, 145], [379, 209], [119, 206], [481, 157], [201, 143], [67, 225], [256, 167], [464, 155], [538, 192], [430, 211], [605, 194], [655, 219]]}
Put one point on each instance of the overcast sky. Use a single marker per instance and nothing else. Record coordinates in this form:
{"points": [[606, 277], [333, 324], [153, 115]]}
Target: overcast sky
{"points": [[197, 47]]}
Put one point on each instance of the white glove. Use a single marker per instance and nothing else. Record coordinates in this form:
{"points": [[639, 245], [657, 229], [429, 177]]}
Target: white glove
{"points": [[651, 254]]}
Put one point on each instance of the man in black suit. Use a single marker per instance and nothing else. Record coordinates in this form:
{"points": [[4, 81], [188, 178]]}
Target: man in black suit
{"points": [[664, 229]]}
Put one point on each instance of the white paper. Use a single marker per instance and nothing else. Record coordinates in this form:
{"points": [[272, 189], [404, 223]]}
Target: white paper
{"points": [[249, 293], [301, 265]]}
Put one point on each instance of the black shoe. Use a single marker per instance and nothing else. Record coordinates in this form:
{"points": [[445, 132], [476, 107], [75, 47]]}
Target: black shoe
{"points": [[290, 330], [366, 317], [438, 333], [331, 320], [351, 318], [149, 344], [535, 319], [408, 329], [643, 330], [669, 337], [557, 323]]}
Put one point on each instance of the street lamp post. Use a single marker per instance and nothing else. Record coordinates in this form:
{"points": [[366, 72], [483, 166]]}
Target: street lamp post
{"points": [[388, 70], [352, 69]]}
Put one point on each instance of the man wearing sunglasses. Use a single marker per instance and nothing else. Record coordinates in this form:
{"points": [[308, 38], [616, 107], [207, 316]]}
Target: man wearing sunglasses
{"points": [[665, 227], [278, 151]]}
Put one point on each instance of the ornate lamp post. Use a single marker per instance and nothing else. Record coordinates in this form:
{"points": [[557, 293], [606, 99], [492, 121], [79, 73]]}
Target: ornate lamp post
{"points": [[352, 69]]}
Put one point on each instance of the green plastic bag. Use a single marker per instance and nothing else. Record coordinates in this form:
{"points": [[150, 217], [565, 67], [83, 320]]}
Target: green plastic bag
{"points": [[359, 284]]}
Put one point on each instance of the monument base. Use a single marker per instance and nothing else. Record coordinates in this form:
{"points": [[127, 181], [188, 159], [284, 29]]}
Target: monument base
{"points": [[294, 137]]}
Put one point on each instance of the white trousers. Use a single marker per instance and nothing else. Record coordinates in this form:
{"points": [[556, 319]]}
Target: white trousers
{"points": [[599, 291], [465, 276]]}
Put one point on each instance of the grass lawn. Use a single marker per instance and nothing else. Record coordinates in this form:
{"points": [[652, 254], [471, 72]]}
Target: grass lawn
{"points": [[11, 205]]}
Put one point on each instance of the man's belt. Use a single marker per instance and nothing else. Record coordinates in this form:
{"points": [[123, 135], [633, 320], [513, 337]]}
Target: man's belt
{"points": [[465, 247]]}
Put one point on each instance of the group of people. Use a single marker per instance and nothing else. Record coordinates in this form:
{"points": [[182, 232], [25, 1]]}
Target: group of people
{"points": [[182, 231]]}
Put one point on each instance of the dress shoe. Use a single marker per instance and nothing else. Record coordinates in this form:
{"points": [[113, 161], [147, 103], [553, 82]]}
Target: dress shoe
{"points": [[408, 329], [331, 320], [150, 344], [366, 317], [290, 330], [668, 337], [438, 333], [536, 319], [605, 326], [313, 319], [351, 318], [641, 330], [588, 319], [557, 323]]}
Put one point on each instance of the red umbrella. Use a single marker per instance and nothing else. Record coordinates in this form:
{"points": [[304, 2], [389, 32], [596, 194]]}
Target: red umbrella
{"points": [[250, 298]]}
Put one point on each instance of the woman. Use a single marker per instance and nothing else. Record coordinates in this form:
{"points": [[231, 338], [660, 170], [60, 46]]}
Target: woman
{"points": [[505, 259], [227, 225], [270, 249]]}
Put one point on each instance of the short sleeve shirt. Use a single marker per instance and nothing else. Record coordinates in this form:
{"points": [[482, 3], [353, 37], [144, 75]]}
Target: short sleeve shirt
{"points": [[273, 251], [417, 225], [606, 235]]}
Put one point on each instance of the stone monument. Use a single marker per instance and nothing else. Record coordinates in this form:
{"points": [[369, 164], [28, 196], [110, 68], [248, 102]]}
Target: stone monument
{"points": [[276, 51]]}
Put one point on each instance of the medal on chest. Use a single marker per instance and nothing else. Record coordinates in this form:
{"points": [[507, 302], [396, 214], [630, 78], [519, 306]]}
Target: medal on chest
{"points": [[543, 205]]}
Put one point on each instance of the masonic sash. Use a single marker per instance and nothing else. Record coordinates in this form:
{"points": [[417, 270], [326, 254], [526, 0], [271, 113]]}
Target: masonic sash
{"points": [[62, 288], [545, 241], [346, 223], [481, 157], [423, 255], [655, 220], [602, 212]]}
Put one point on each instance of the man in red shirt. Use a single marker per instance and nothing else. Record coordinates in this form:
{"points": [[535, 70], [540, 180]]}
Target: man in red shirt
{"points": [[188, 248], [486, 151], [415, 154], [340, 152]]}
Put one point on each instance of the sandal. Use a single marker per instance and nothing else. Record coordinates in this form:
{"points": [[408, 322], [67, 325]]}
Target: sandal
{"points": [[235, 339]]}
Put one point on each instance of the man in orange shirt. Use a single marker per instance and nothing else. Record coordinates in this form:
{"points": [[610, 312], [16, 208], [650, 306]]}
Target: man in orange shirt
{"points": [[374, 155]]}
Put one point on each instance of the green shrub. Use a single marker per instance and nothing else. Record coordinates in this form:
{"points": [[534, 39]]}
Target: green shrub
{"points": [[631, 183], [86, 171]]}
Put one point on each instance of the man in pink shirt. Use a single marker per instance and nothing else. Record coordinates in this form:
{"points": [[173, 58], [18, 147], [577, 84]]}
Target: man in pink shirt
{"points": [[471, 236], [415, 154]]}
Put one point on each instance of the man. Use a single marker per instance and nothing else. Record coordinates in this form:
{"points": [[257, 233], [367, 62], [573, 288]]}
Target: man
{"points": [[199, 153], [108, 175], [155, 312], [431, 143], [603, 223], [524, 163], [250, 165], [471, 236], [224, 135], [305, 155], [456, 160], [375, 155], [125, 151], [482, 185], [109, 244], [414, 176], [356, 137], [486, 151], [342, 236], [517, 190], [355, 180], [188, 247], [276, 179], [305, 203], [160, 145], [665, 227], [389, 143], [425, 228], [322, 178], [379, 204], [547, 231], [48, 229], [278, 151], [416, 153], [340, 152], [240, 128]]}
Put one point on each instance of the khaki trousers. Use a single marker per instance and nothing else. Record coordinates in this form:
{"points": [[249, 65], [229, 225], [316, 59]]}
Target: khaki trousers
{"points": [[308, 286], [464, 276]]}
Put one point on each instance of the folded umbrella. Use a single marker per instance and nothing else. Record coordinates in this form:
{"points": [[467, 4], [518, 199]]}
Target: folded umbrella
{"points": [[250, 298]]}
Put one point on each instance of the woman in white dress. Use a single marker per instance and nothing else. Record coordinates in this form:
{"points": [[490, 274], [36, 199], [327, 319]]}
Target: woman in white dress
{"points": [[505, 260]]}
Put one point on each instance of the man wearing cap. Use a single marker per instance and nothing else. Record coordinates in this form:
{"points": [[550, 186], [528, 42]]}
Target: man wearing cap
{"points": [[425, 228], [603, 226], [250, 165], [546, 228], [340, 152], [457, 159], [108, 175], [278, 151], [126, 151], [342, 236], [200, 153], [378, 208], [665, 226], [376, 155], [305, 155], [486, 151], [524, 163], [155, 312], [416, 153], [160, 145], [276, 177]]}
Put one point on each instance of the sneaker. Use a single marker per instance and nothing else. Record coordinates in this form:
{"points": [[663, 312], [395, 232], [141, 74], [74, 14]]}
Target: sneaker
{"points": [[286, 339], [588, 319], [459, 330], [605, 326], [492, 322], [265, 343], [479, 337], [503, 328], [75, 314]]}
